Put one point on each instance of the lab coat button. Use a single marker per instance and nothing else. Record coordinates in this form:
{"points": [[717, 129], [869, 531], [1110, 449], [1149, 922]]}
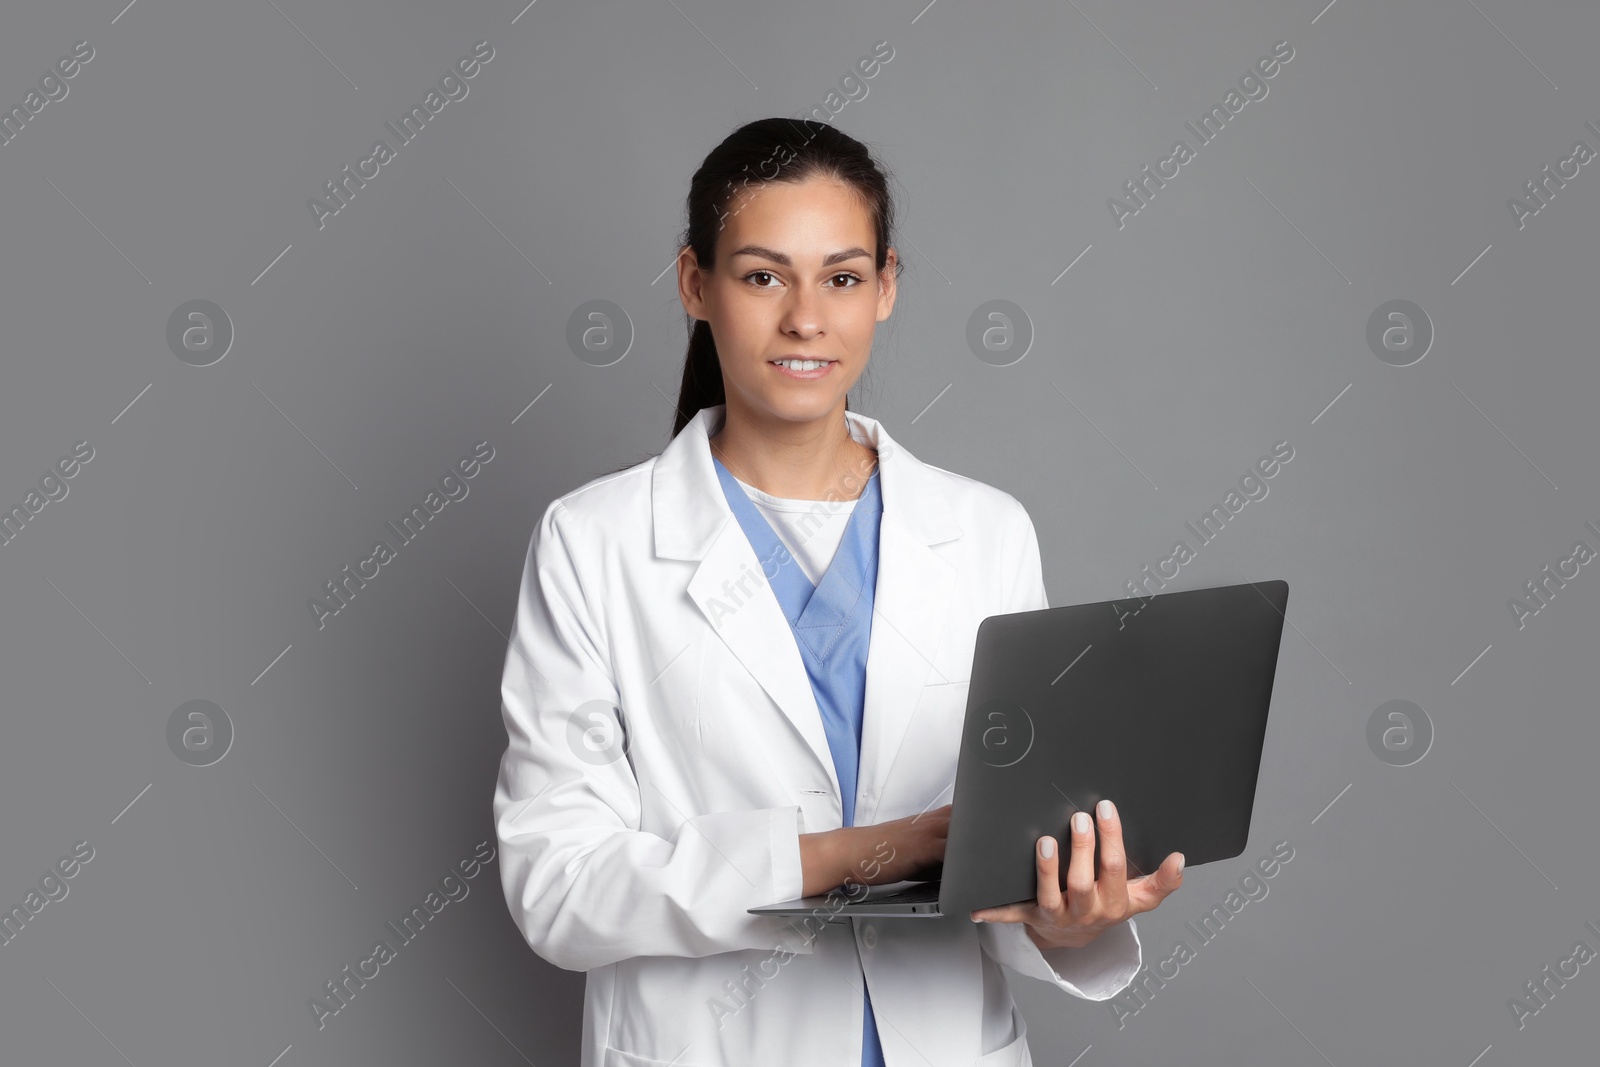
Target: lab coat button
{"points": [[869, 937]]}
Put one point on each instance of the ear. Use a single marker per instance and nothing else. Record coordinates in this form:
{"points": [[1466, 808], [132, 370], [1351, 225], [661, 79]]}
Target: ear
{"points": [[691, 283], [888, 284]]}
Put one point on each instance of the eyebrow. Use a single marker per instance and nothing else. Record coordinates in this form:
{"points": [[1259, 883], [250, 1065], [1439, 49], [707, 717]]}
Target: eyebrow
{"points": [[784, 260]]}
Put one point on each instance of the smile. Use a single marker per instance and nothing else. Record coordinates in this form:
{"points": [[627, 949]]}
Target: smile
{"points": [[804, 368]]}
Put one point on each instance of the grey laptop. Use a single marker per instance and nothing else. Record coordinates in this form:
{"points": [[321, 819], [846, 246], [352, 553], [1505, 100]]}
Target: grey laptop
{"points": [[1159, 703]]}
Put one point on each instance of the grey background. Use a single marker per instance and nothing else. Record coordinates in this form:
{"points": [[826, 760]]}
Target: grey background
{"points": [[1227, 315]]}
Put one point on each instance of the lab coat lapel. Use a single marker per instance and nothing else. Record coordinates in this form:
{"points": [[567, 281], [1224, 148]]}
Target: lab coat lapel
{"points": [[730, 590], [912, 595], [908, 614]]}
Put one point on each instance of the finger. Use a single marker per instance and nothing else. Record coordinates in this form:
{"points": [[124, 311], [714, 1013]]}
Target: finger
{"points": [[1080, 868], [1047, 859], [1113, 857], [1008, 913], [1147, 892]]}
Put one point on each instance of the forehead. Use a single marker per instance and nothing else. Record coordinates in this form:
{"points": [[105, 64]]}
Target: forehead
{"points": [[805, 220]]}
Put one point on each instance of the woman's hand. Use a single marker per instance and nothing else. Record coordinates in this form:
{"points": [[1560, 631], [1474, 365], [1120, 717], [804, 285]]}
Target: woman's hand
{"points": [[912, 847], [1073, 918], [909, 848]]}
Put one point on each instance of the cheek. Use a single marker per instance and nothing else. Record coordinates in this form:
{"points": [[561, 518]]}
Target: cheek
{"points": [[743, 330], [745, 313], [856, 328], [852, 372]]}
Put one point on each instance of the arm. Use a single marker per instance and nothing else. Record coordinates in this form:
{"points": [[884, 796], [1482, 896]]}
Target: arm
{"points": [[876, 854], [1104, 967], [584, 884]]}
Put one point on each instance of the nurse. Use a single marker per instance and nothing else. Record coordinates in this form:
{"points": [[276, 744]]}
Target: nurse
{"points": [[785, 269]]}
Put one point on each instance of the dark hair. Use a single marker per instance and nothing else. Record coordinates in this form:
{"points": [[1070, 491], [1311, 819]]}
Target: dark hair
{"points": [[767, 150]]}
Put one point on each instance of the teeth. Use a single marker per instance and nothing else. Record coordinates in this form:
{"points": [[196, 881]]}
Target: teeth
{"points": [[803, 364]]}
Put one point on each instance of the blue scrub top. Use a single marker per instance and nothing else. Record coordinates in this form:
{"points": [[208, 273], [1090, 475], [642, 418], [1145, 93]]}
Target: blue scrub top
{"points": [[832, 626]]}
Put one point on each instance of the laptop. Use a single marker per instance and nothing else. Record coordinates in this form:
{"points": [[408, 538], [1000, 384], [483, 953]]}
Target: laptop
{"points": [[1159, 703]]}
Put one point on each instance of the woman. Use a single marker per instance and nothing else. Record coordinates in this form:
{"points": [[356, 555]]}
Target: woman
{"points": [[738, 675]]}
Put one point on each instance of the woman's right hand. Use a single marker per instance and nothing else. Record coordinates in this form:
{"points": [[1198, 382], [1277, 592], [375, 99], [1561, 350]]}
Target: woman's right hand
{"points": [[908, 848]]}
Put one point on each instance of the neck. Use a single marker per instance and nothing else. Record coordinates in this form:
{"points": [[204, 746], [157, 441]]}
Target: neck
{"points": [[812, 460]]}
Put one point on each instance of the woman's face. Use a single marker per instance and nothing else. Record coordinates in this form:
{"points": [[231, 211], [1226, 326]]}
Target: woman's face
{"points": [[794, 277]]}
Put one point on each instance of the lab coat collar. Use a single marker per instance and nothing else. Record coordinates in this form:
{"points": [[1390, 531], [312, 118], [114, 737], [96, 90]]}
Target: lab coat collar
{"points": [[690, 510], [692, 521]]}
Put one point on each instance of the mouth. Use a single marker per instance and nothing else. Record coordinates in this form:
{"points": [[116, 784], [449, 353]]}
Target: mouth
{"points": [[804, 369]]}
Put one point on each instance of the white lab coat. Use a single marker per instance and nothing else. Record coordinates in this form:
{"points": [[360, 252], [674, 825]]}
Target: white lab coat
{"points": [[635, 863]]}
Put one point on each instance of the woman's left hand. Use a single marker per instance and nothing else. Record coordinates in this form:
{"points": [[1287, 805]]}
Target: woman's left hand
{"points": [[1073, 917]]}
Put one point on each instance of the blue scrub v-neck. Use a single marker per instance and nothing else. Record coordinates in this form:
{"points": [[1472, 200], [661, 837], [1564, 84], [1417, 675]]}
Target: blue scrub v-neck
{"points": [[832, 626]]}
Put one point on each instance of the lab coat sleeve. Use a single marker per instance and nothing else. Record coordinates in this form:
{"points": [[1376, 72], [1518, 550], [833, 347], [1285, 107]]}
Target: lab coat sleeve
{"points": [[1105, 966], [1096, 971], [584, 884]]}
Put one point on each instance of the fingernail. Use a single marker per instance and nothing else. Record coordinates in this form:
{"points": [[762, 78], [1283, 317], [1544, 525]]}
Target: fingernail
{"points": [[1181, 862], [1080, 822], [1105, 809], [1047, 847]]}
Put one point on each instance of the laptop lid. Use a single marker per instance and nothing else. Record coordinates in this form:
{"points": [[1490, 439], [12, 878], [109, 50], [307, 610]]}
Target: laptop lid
{"points": [[1159, 703]]}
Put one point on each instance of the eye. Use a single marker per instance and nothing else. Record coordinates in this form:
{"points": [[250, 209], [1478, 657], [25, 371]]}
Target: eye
{"points": [[763, 273], [852, 277]]}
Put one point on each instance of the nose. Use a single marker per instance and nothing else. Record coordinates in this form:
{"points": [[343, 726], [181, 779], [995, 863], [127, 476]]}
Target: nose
{"points": [[802, 316]]}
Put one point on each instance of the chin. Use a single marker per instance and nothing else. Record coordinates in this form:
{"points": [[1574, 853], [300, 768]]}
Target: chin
{"points": [[791, 408]]}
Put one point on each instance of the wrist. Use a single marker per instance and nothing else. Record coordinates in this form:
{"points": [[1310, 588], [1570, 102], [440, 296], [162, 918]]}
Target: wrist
{"points": [[825, 859]]}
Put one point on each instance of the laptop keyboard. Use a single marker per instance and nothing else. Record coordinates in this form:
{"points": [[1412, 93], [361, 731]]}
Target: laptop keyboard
{"points": [[921, 893]]}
